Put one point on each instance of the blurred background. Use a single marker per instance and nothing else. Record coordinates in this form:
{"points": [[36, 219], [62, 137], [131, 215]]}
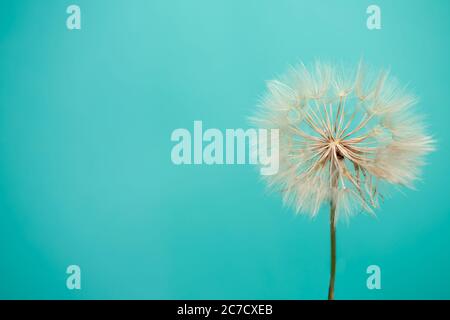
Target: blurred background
{"points": [[86, 176]]}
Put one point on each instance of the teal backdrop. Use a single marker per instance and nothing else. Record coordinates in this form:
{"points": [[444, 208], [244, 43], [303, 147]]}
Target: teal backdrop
{"points": [[86, 176]]}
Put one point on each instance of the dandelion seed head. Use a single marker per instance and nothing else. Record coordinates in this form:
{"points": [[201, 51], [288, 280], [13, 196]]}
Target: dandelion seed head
{"points": [[342, 133]]}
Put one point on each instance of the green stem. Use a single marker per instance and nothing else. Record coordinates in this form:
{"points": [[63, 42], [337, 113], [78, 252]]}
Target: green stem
{"points": [[333, 250]]}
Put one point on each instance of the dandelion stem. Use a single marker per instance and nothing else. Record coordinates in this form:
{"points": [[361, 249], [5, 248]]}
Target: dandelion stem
{"points": [[333, 249]]}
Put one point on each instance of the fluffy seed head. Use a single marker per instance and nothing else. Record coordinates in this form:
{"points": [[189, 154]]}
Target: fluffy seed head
{"points": [[342, 133]]}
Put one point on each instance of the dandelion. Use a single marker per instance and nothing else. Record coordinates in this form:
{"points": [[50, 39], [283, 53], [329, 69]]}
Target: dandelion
{"points": [[343, 133]]}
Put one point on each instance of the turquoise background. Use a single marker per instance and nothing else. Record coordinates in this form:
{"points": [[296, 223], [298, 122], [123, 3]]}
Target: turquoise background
{"points": [[86, 176]]}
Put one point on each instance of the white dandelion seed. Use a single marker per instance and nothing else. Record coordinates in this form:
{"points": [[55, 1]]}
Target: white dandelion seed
{"points": [[342, 133]]}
